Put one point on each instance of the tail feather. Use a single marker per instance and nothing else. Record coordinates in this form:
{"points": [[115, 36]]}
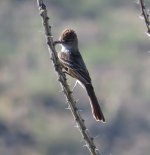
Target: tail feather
{"points": [[96, 110]]}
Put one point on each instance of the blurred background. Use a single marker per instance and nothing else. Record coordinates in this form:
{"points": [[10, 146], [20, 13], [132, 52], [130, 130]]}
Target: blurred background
{"points": [[112, 40]]}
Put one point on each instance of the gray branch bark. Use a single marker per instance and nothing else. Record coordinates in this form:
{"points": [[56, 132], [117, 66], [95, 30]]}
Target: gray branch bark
{"points": [[145, 14], [63, 81]]}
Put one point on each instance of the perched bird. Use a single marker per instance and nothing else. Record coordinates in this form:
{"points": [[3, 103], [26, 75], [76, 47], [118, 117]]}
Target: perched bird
{"points": [[72, 62]]}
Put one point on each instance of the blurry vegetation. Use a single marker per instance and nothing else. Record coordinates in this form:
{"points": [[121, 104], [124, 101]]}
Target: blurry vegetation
{"points": [[33, 119]]}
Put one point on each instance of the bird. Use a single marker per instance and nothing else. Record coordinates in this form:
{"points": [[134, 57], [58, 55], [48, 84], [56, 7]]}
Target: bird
{"points": [[72, 62]]}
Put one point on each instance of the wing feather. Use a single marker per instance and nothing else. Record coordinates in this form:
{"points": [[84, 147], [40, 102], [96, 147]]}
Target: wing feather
{"points": [[75, 63]]}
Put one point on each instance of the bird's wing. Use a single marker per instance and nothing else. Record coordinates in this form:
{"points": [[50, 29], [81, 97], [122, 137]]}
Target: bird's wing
{"points": [[76, 66]]}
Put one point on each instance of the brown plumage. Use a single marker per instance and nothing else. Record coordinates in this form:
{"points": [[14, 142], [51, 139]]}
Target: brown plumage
{"points": [[74, 65], [68, 34]]}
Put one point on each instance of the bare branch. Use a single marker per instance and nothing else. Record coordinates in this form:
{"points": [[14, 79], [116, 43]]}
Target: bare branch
{"points": [[63, 81], [145, 14]]}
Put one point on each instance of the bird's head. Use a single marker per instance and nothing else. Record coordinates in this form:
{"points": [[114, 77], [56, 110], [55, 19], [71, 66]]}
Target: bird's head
{"points": [[68, 38]]}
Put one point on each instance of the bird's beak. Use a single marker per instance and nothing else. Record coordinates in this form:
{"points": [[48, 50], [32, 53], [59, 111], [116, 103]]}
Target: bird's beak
{"points": [[57, 42]]}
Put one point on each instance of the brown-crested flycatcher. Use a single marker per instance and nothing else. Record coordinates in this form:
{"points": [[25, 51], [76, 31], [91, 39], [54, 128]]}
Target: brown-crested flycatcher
{"points": [[72, 62]]}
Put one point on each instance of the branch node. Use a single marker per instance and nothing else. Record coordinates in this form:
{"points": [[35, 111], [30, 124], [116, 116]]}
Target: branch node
{"points": [[68, 108], [92, 139], [148, 33], [76, 126]]}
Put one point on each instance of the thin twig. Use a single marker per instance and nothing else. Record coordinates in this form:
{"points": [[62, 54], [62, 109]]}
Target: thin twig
{"points": [[63, 81], [146, 15]]}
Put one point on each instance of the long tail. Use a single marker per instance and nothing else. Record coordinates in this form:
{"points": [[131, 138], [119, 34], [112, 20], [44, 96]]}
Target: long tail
{"points": [[96, 110]]}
